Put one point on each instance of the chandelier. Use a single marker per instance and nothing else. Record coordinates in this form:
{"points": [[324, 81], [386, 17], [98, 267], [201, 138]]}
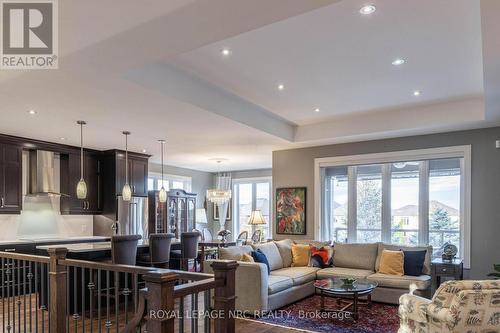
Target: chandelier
{"points": [[221, 194]]}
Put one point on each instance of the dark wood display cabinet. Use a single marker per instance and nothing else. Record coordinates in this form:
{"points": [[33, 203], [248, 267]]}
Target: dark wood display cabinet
{"points": [[70, 176], [181, 211], [10, 179], [113, 177]]}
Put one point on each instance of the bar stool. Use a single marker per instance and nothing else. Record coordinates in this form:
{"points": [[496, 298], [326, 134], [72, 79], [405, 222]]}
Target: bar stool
{"points": [[189, 249], [124, 249], [159, 251]]}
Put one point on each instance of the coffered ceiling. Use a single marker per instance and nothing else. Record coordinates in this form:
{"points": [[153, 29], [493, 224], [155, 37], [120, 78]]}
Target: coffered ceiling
{"points": [[156, 68]]}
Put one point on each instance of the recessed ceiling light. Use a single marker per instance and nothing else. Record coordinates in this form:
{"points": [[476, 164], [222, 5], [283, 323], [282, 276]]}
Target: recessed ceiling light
{"points": [[368, 9], [144, 151], [316, 110], [225, 52], [62, 138], [32, 112], [281, 86], [417, 93], [398, 62]]}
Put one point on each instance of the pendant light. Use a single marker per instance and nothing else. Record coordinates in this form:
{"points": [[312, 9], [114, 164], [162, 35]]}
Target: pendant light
{"points": [[163, 194], [221, 193], [81, 187], [126, 191]]}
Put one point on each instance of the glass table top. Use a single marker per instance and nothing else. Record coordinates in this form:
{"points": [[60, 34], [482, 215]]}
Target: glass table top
{"points": [[336, 285]]}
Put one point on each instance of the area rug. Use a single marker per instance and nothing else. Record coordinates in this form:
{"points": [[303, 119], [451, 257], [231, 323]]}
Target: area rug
{"points": [[303, 315]]}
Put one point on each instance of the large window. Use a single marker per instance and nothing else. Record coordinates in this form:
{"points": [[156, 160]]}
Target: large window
{"points": [[407, 202], [250, 195], [169, 182]]}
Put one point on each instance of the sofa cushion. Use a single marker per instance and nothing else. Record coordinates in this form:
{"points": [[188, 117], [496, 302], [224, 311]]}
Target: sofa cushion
{"points": [[260, 257], [427, 263], [234, 252], [359, 256], [392, 262], [299, 275], [401, 282], [272, 254], [285, 248], [277, 283], [414, 262], [301, 253], [343, 272]]}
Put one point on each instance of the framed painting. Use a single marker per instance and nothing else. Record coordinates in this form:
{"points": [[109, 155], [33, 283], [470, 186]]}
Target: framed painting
{"points": [[291, 210], [228, 214]]}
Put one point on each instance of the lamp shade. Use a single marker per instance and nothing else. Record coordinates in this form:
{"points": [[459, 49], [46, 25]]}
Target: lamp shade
{"points": [[201, 216], [256, 218], [126, 192]]}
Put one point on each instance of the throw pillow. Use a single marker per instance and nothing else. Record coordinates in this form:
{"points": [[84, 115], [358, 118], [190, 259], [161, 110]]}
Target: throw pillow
{"points": [[300, 255], [259, 256], [323, 255], [392, 262], [246, 258], [414, 262]]}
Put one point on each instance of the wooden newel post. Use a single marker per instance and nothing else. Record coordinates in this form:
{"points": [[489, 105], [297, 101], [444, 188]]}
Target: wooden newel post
{"points": [[224, 297], [57, 282], [160, 316]]}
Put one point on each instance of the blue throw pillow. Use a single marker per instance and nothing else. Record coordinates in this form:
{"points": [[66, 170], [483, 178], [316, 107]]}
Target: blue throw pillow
{"points": [[259, 256], [414, 262]]}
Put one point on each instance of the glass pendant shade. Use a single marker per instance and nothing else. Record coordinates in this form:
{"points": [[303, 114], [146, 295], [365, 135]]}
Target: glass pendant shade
{"points": [[126, 192], [81, 189], [162, 196]]}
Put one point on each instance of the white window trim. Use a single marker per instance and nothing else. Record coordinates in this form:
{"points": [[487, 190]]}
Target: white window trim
{"points": [[254, 180], [171, 178], [405, 155]]}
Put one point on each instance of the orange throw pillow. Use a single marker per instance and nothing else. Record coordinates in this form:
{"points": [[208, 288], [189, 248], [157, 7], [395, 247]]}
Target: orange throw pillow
{"points": [[300, 255], [392, 263]]}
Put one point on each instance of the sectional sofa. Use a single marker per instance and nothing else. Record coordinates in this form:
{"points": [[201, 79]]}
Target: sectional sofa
{"points": [[258, 291]]}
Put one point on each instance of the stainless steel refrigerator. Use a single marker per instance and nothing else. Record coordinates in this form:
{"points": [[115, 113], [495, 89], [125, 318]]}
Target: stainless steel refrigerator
{"points": [[133, 217]]}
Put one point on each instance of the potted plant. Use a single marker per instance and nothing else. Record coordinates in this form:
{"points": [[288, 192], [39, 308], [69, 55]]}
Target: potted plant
{"points": [[496, 274]]}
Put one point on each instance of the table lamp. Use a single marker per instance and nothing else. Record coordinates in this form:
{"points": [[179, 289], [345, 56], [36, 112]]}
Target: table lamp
{"points": [[256, 219], [201, 216]]}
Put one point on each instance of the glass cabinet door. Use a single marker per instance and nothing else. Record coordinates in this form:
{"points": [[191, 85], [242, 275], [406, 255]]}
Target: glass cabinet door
{"points": [[181, 214], [172, 217], [191, 212]]}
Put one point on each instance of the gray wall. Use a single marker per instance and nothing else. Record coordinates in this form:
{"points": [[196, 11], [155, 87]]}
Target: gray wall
{"points": [[296, 168]]}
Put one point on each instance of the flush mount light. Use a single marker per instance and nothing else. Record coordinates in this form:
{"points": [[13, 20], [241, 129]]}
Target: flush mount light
{"points": [[398, 62], [281, 87], [32, 112], [316, 110], [417, 93], [368, 9], [225, 52]]}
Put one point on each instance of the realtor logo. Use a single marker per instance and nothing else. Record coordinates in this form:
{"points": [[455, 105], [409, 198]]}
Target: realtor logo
{"points": [[29, 34]]}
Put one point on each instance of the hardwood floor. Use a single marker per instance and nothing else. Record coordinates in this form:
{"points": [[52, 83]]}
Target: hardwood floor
{"points": [[21, 315]]}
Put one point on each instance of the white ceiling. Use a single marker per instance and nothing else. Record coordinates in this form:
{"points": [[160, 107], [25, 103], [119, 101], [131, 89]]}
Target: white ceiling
{"points": [[156, 70]]}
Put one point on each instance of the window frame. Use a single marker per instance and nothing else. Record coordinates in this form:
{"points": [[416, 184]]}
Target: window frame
{"points": [[462, 152], [187, 181], [254, 181]]}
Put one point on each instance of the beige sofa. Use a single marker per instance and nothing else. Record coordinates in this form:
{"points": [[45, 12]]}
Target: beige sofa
{"points": [[258, 291]]}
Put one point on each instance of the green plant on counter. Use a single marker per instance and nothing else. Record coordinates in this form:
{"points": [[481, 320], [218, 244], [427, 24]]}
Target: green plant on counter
{"points": [[496, 274]]}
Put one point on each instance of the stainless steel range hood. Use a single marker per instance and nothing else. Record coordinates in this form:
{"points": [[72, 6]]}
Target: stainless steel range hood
{"points": [[42, 174]]}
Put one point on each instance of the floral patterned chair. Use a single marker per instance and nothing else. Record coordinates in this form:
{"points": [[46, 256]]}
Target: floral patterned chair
{"points": [[457, 306]]}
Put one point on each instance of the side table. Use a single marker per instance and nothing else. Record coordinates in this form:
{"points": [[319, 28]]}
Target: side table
{"points": [[446, 269]]}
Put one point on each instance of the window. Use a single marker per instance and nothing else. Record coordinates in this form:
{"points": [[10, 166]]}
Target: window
{"points": [[169, 182], [400, 201], [250, 195]]}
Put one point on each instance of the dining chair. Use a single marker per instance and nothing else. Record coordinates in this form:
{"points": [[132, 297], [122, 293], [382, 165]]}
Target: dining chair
{"points": [[207, 235], [159, 251], [257, 236], [189, 249], [242, 238]]}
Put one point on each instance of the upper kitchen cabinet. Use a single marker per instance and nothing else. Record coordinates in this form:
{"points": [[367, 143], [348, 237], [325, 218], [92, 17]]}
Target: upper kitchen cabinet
{"points": [[114, 177], [10, 179], [70, 176]]}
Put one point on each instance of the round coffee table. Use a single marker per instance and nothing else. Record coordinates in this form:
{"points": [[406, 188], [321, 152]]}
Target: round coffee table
{"points": [[347, 295]]}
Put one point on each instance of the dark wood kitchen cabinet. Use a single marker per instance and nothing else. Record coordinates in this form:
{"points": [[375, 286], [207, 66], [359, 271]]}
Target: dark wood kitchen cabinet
{"points": [[70, 176], [10, 179], [113, 175]]}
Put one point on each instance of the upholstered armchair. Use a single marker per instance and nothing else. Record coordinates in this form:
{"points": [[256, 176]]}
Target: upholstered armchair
{"points": [[457, 306]]}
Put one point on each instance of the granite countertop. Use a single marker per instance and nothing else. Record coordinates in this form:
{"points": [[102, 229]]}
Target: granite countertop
{"points": [[53, 240], [97, 246]]}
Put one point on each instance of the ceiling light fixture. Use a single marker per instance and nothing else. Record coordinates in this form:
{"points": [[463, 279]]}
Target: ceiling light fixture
{"points": [[62, 138], [368, 9], [281, 87], [32, 112], [417, 93], [226, 52], [162, 196], [81, 187], [126, 191], [316, 110], [398, 62], [144, 151]]}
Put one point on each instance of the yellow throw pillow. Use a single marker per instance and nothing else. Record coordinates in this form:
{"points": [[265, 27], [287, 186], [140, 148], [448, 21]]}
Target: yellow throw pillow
{"points": [[301, 254], [392, 262], [246, 258]]}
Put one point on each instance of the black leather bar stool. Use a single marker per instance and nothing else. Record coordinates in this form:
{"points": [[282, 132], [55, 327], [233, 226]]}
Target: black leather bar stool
{"points": [[159, 251], [189, 249], [124, 249]]}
